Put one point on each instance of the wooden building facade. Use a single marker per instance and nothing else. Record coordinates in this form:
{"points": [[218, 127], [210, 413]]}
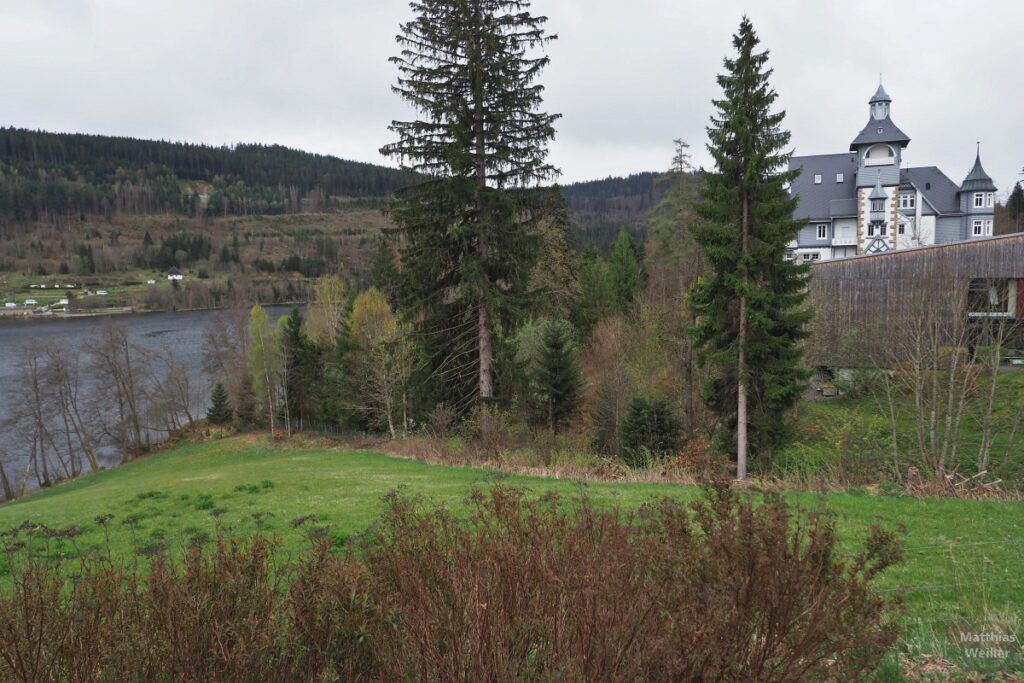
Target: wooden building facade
{"points": [[865, 304]]}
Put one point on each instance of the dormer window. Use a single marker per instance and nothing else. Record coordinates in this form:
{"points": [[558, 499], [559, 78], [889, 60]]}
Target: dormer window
{"points": [[881, 130], [817, 179], [839, 177]]}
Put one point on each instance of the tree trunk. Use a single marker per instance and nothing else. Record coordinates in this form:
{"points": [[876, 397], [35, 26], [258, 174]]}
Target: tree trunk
{"points": [[741, 365], [486, 383], [391, 422], [5, 484], [486, 354]]}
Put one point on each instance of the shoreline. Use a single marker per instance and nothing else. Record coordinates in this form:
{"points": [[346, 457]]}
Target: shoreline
{"points": [[126, 310]]}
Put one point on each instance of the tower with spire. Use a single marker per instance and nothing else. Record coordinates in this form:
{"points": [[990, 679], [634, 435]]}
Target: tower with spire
{"points": [[977, 200], [868, 200]]}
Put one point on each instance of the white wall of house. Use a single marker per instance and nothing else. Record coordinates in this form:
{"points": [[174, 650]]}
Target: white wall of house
{"points": [[845, 232], [804, 255], [864, 208]]}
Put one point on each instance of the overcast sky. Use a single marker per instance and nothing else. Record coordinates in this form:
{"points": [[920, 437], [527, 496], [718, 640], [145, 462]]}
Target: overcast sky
{"points": [[629, 76]]}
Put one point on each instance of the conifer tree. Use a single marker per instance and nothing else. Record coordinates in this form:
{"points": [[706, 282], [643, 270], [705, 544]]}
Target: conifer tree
{"points": [[301, 367], [624, 270], [468, 233], [1015, 205], [750, 320], [384, 273], [220, 412], [558, 378]]}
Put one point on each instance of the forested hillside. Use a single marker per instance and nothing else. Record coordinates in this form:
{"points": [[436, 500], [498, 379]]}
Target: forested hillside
{"points": [[49, 175], [603, 208], [251, 220]]}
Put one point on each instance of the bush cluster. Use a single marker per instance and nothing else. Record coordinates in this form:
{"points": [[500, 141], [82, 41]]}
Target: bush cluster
{"points": [[521, 589]]}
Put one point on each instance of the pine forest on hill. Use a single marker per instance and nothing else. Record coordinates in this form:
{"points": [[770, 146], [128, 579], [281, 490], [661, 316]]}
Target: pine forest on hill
{"points": [[251, 221]]}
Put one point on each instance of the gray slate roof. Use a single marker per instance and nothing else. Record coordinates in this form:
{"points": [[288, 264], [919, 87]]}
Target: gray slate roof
{"points": [[878, 192], [838, 200], [937, 188], [977, 179], [880, 96], [870, 135], [816, 201]]}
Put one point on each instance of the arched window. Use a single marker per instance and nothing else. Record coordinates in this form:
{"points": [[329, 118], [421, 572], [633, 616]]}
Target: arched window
{"points": [[879, 155]]}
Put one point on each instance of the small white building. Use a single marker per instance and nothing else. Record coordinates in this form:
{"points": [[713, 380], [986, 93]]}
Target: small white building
{"points": [[150, 282], [31, 302], [10, 304], [175, 274]]}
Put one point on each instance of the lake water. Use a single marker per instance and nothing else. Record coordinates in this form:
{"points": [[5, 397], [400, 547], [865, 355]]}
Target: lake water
{"points": [[182, 332]]}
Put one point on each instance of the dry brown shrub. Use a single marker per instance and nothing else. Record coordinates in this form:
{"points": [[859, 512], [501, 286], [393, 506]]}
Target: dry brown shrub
{"points": [[519, 589]]}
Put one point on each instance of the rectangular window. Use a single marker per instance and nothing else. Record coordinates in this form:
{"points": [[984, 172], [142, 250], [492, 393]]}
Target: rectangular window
{"points": [[989, 199], [902, 229], [839, 177], [871, 231], [908, 201], [978, 228], [817, 179], [979, 200], [878, 205], [883, 230], [823, 231], [988, 228], [992, 299]]}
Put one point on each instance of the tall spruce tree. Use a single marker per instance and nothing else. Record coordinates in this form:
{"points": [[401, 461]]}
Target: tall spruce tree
{"points": [[750, 319], [301, 368], [468, 232], [558, 379]]}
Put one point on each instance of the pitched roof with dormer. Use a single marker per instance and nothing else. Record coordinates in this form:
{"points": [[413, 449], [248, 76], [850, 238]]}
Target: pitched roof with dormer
{"points": [[880, 131], [828, 199], [939, 191]]}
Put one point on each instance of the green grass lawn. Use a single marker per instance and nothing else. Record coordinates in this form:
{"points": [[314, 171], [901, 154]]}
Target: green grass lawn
{"points": [[964, 564]]}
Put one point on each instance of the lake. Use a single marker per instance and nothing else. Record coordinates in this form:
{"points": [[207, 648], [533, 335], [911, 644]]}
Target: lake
{"points": [[182, 332]]}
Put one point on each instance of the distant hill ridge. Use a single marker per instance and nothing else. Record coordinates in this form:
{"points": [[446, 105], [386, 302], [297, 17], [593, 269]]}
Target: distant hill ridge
{"points": [[44, 174]]}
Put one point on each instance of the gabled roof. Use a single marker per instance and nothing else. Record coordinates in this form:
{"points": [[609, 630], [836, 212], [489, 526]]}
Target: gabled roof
{"points": [[977, 179], [889, 133], [818, 202], [878, 192], [938, 190]]}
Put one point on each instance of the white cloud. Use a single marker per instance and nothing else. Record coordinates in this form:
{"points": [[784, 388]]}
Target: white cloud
{"points": [[629, 77]]}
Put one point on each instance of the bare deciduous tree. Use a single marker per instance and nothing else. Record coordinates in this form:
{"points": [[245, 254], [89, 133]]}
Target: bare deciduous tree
{"points": [[116, 367]]}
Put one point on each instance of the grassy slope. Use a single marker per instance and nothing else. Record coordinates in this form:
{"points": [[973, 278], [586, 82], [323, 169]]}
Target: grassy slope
{"points": [[964, 561], [855, 433]]}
